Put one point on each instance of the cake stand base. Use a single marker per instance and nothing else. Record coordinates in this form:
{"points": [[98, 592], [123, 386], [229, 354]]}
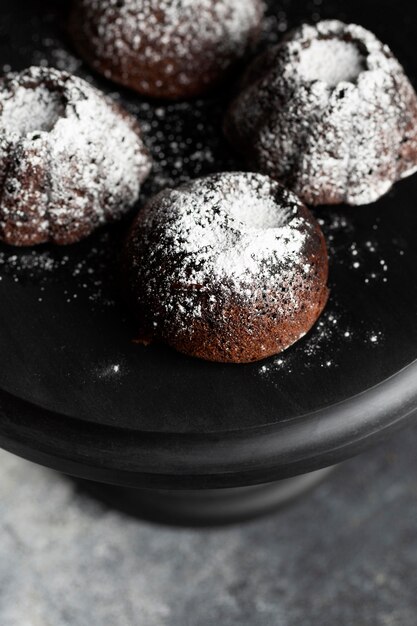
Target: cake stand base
{"points": [[205, 507]]}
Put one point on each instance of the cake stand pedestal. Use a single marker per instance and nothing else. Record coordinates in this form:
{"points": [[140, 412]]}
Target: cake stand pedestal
{"points": [[205, 507], [213, 478]]}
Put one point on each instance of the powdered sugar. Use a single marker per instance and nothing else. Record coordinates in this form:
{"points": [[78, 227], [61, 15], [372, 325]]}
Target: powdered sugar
{"points": [[88, 276], [228, 243], [184, 140], [324, 347], [331, 61], [69, 159], [330, 141], [258, 214], [31, 110]]}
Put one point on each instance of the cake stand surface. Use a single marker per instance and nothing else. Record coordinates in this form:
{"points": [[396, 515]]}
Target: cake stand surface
{"points": [[195, 438]]}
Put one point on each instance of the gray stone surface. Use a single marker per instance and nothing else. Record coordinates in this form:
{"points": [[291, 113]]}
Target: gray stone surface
{"points": [[344, 555]]}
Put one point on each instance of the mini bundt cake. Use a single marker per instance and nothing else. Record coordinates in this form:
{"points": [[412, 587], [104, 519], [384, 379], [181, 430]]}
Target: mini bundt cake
{"points": [[165, 48], [70, 159], [329, 113], [229, 268]]}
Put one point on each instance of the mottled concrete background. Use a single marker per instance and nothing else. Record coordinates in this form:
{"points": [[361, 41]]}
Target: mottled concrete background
{"points": [[345, 555]]}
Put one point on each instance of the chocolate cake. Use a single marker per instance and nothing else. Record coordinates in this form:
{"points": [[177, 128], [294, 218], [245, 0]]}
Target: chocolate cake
{"points": [[165, 48], [330, 113], [70, 158], [229, 268]]}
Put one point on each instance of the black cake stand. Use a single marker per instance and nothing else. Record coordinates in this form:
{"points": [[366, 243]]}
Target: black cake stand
{"points": [[178, 439]]}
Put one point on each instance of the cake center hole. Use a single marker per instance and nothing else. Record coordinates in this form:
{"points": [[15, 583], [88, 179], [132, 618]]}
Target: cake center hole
{"points": [[32, 110], [331, 61], [257, 213]]}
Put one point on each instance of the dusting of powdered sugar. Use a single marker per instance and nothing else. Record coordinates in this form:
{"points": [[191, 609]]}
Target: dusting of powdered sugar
{"points": [[183, 139], [91, 275], [233, 224], [324, 346], [162, 45], [318, 347], [303, 114], [69, 160], [332, 61], [31, 110], [366, 257], [109, 371]]}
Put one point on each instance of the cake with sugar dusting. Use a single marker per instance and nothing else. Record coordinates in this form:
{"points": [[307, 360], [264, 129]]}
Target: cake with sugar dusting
{"points": [[165, 48], [330, 113], [229, 268], [70, 158]]}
